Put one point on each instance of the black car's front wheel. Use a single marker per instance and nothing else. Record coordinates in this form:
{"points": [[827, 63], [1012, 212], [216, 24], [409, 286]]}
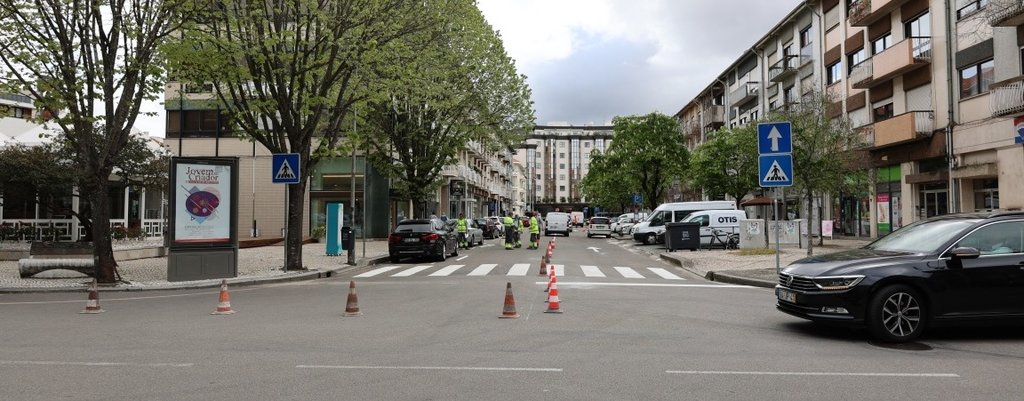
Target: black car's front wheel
{"points": [[896, 314]]}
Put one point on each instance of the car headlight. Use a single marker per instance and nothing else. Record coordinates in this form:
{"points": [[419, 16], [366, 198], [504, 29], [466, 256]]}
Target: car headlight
{"points": [[836, 283]]}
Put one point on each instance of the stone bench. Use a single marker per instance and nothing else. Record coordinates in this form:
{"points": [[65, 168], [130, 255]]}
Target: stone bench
{"points": [[30, 267]]}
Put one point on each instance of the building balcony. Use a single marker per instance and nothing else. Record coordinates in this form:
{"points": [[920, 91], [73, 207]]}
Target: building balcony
{"points": [[745, 92], [905, 56], [806, 54], [1005, 12], [784, 69], [1007, 97], [905, 127], [866, 12], [862, 74], [714, 115]]}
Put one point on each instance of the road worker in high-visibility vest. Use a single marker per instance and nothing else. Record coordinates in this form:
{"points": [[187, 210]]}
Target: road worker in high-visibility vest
{"points": [[534, 231], [462, 226], [510, 230]]}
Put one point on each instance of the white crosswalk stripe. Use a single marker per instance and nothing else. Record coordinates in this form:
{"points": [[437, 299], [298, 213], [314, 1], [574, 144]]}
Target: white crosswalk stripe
{"points": [[592, 271], [446, 271], [519, 269], [482, 270], [377, 271], [665, 274], [409, 272], [559, 270], [628, 272]]}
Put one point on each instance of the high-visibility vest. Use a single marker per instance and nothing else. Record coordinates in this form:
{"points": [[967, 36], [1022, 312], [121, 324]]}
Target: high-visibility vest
{"points": [[534, 225], [460, 225], [507, 221]]}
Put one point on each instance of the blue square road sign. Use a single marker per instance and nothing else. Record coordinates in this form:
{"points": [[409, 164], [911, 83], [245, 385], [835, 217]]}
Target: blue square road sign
{"points": [[775, 170], [775, 137], [285, 168]]}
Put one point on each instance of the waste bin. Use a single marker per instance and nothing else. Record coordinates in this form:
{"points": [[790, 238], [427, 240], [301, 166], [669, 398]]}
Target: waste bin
{"points": [[682, 236], [347, 239]]}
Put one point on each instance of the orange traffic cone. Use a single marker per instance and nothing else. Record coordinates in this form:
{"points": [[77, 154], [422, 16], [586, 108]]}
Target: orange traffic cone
{"points": [[543, 265], [93, 304], [509, 311], [224, 301], [551, 278], [352, 306], [554, 304]]}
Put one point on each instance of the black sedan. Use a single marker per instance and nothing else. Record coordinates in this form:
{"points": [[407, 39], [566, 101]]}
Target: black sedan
{"points": [[962, 268], [422, 237]]}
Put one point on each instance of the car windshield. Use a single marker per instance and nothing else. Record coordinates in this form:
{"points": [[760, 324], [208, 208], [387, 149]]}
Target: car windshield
{"points": [[598, 220], [922, 237], [413, 228]]}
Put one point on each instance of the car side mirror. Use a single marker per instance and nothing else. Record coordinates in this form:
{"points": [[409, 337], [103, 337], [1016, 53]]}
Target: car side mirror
{"points": [[965, 252]]}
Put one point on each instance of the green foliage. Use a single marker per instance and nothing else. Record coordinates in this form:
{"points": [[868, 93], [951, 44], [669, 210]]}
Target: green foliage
{"points": [[649, 154], [604, 184], [727, 162]]}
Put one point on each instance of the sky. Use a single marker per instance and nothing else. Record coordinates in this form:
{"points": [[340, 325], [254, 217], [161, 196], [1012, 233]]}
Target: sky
{"points": [[587, 61]]}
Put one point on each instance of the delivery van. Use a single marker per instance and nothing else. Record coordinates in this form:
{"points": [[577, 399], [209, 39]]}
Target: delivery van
{"points": [[717, 226], [652, 229], [556, 222]]}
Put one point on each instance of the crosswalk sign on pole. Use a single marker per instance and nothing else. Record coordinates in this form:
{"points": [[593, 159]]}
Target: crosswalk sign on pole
{"points": [[775, 170], [285, 168]]}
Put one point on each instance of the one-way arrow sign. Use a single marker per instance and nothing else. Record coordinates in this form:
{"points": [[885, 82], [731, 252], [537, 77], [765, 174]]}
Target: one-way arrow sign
{"points": [[774, 138]]}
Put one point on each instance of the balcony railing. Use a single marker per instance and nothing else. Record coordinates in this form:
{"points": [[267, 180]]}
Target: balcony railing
{"points": [[783, 69], [904, 56], [714, 115], [866, 12], [806, 54], [903, 128], [1005, 12], [745, 92], [860, 76], [1007, 98]]}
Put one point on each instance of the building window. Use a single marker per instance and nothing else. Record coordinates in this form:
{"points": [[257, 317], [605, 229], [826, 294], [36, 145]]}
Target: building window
{"points": [[835, 73], [586, 144], [561, 166], [976, 79], [986, 194], [855, 58], [561, 144], [561, 187], [879, 45], [538, 176], [197, 123], [561, 155], [561, 177], [805, 37], [970, 7], [883, 112]]}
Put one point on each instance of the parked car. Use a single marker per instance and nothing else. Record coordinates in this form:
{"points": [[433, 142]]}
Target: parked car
{"points": [[652, 229], [940, 271], [474, 234], [717, 227], [622, 223], [491, 229], [557, 222], [599, 226], [422, 237]]}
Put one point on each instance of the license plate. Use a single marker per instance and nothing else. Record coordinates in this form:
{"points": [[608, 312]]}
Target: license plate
{"points": [[786, 295], [411, 240]]}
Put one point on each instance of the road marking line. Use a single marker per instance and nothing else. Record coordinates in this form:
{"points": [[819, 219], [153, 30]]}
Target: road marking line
{"points": [[559, 270], [665, 274], [101, 364], [482, 270], [851, 374], [627, 272], [460, 259], [592, 271], [496, 369], [519, 269], [446, 271], [411, 271], [635, 284], [377, 271]]}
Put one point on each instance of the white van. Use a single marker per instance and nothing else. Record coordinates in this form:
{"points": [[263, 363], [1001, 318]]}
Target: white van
{"points": [[621, 224], [557, 222], [652, 229], [726, 222]]}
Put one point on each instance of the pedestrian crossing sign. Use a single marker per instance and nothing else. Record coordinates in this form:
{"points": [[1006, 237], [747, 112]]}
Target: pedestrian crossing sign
{"points": [[775, 170], [285, 168]]}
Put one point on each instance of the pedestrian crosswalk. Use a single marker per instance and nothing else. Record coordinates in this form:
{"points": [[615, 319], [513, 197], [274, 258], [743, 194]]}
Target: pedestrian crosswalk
{"points": [[520, 269]]}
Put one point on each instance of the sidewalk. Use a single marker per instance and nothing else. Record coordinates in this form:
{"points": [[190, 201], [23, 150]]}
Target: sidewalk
{"points": [[258, 265], [753, 270]]}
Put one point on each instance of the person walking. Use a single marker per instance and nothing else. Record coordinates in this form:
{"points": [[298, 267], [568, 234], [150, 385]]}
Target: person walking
{"points": [[510, 230], [461, 226], [534, 231]]}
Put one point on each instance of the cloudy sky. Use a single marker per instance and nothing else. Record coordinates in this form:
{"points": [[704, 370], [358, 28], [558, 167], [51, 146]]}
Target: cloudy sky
{"points": [[590, 60]]}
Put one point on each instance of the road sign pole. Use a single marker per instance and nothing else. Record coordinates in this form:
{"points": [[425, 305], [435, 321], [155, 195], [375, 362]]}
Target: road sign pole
{"points": [[778, 224]]}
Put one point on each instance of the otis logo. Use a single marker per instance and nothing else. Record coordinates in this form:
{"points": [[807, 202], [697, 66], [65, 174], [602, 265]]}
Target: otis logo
{"points": [[728, 219]]}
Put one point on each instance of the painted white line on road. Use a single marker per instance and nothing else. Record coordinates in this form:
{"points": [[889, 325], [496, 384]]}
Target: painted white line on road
{"points": [[482, 270], [377, 271], [519, 269], [460, 258], [850, 374], [485, 245], [411, 271], [99, 364], [495, 369], [592, 271], [665, 274], [446, 271], [634, 284], [627, 272]]}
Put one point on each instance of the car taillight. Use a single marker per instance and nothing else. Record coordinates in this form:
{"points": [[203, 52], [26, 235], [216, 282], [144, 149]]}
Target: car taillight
{"points": [[431, 237], [394, 238]]}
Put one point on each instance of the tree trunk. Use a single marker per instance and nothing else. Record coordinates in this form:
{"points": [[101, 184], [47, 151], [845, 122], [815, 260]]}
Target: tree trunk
{"points": [[810, 220], [103, 251], [293, 239]]}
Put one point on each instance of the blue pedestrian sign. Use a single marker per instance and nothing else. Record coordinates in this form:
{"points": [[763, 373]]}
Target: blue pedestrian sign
{"points": [[775, 170], [638, 199], [774, 137], [285, 168]]}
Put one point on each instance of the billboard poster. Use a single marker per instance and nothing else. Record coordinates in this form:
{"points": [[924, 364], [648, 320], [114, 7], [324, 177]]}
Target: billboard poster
{"points": [[884, 227], [203, 202]]}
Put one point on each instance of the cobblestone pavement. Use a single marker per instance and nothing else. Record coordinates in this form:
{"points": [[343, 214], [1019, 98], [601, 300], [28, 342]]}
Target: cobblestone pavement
{"points": [[254, 265]]}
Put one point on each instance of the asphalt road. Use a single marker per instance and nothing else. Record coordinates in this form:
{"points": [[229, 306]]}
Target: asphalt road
{"points": [[433, 333]]}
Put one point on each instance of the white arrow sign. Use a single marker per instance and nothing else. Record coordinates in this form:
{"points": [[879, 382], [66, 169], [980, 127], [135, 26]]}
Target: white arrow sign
{"points": [[595, 249], [775, 135]]}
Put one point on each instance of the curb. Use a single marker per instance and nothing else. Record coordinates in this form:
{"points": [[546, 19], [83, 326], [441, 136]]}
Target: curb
{"points": [[717, 276]]}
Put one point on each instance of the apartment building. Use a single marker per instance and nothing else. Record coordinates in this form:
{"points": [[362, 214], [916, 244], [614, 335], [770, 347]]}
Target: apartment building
{"points": [[557, 157], [482, 183]]}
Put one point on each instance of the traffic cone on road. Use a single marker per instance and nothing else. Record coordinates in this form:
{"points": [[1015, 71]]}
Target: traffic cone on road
{"points": [[352, 306], [224, 301], [509, 311], [543, 265], [93, 304], [551, 279], [554, 304]]}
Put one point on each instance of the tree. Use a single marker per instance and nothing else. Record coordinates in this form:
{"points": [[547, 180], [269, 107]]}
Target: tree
{"points": [[286, 72], [727, 163], [604, 186], [650, 151], [89, 65], [447, 86], [824, 150]]}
